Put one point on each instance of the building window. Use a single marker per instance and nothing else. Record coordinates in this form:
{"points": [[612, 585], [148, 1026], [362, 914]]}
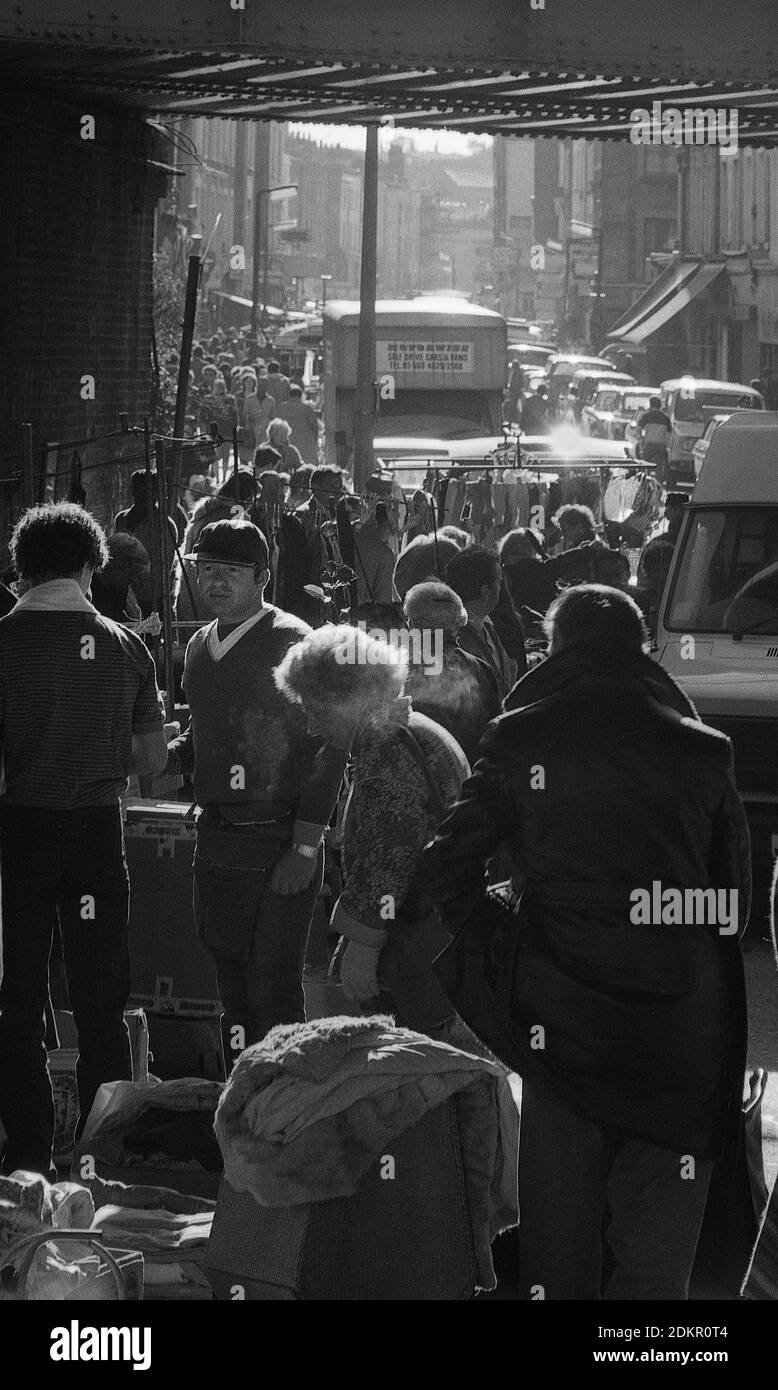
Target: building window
{"points": [[659, 233]]}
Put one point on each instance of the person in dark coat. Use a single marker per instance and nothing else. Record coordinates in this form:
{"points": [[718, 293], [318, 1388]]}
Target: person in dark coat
{"points": [[475, 576], [457, 690], [526, 573], [113, 587], [630, 849], [423, 558]]}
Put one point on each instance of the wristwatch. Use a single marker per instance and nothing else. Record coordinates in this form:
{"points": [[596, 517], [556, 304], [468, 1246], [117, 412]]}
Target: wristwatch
{"points": [[307, 851]]}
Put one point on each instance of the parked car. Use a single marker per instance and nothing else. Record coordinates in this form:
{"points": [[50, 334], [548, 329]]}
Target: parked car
{"points": [[701, 445], [690, 403], [530, 354], [587, 380], [561, 369], [613, 408]]}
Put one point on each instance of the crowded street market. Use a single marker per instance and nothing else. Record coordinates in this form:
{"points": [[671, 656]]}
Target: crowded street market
{"points": [[388, 670]]}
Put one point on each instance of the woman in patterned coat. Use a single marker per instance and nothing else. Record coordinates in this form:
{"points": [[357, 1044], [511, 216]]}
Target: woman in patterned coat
{"points": [[406, 770]]}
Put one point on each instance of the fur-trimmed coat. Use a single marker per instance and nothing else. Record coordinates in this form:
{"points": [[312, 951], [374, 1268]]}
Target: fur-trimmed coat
{"points": [[310, 1108]]}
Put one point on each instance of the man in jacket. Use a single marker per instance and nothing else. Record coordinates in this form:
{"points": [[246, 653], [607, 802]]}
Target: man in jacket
{"points": [[627, 1013]]}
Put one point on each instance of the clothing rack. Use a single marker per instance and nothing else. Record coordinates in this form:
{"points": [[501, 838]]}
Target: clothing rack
{"points": [[529, 466]]}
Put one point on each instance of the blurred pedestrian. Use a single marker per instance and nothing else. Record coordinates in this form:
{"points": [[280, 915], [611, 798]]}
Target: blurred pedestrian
{"points": [[278, 437], [113, 587], [141, 520], [451, 686], [303, 422], [277, 384], [374, 558], [424, 558], [258, 411], [474, 574]]}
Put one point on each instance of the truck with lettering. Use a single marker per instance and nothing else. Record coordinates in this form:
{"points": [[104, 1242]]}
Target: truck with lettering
{"points": [[441, 367]]}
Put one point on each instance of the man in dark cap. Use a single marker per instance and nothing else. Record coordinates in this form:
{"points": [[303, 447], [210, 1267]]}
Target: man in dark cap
{"points": [[266, 788]]}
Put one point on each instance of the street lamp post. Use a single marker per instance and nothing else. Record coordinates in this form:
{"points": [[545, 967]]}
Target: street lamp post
{"points": [[325, 280], [258, 228], [599, 293]]}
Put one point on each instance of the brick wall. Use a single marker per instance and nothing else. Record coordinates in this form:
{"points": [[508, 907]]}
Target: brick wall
{"points": [[75, 287]]}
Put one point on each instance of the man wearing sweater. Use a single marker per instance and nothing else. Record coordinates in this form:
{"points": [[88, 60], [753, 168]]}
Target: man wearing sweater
{"points": [[265, 788]]}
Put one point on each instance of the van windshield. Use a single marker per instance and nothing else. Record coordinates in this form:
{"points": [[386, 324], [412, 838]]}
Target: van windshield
{"points": [[697, 406], [728, 575]]}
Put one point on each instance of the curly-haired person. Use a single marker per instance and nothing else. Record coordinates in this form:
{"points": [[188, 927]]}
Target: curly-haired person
{"points": [[406, 770], [79, 712]]}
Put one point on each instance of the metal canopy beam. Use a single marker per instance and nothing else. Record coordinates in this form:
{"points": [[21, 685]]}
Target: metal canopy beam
{"points": [[733, 41], [495, 67]]}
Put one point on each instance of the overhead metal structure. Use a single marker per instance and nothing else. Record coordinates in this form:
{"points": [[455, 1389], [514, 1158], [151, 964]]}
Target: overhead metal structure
{"points": [[498, 67]]}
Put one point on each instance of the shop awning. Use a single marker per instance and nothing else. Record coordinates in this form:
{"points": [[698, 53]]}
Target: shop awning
{"points": [[676, 287]]}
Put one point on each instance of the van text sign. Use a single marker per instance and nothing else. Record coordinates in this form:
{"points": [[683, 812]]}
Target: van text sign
{"points": [[423, 355]]}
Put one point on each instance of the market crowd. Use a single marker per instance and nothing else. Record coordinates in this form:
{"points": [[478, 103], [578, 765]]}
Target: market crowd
{"points": [[543, 769]]}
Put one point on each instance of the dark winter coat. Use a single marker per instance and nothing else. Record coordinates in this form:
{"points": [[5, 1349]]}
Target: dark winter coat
{"points": [[603, 780]]}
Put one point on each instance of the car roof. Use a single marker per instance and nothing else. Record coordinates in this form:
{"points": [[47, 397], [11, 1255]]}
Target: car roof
{"points": [[428, 311], [706, 384], [575, 357], [611, 373], [741, 464], [630, 388], [528, 346], [443, 449], [578, 448]]}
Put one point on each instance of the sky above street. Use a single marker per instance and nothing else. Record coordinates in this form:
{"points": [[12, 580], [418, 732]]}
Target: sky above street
{"points": [[447, 142]]}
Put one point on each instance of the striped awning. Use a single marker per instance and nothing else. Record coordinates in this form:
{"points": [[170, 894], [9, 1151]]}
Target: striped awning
{"points": [[675, 288]]}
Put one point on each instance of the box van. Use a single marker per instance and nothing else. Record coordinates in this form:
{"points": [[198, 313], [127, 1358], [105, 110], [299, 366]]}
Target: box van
{"points": [[441, 367], [717, 630], [690, 403]]}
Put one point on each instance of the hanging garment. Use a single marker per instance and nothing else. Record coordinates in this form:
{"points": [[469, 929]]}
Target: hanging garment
{"points": [[499, 498], [455, 498]]}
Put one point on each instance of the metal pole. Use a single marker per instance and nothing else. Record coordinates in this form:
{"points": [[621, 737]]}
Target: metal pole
{"points": [[164, 579], [154, 548], [599, 305], [190, 315], [363, 432], [566, 295], [265, 256], [255, 270], [28, 465]]}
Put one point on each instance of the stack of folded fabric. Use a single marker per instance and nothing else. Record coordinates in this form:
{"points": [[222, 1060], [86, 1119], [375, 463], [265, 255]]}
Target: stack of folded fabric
{"points": [[172, 1244], [169, 1228]]}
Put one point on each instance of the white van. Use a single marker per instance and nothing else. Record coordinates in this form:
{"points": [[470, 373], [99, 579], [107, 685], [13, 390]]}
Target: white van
{"points": [[717, 631], [690, 403]]}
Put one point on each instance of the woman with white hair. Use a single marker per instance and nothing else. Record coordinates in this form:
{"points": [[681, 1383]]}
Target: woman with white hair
{"points": [[279, 434], [407, 769]]}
